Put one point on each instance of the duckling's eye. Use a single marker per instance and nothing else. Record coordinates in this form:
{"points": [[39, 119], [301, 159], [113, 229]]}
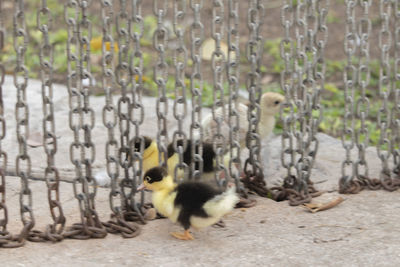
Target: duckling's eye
{"points": [[147, 178], [277, 102]]}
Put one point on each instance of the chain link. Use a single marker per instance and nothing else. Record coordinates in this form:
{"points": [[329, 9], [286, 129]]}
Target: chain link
{"points": [[388, 118], [137, 110], [218, 62], [302, 80], [23, 160], [180, 103], [46, 57], [6, 239], [395, 115], [254, 48], [81, 119], [196, 88], [160, 44], [349, 77], [233, 79]]}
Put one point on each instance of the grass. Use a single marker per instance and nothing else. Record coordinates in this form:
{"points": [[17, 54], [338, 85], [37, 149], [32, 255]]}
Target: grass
{"points": [[332, 95]]}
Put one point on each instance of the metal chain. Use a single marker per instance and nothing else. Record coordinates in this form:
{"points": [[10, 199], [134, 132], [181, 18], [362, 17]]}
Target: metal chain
{"points": [[387, 90], [137, 110], [6, 239], [124, 79], [23, 160], [356, 77], [218, 66], [233, 79], [254, 48], [180, 103], [81, 117], [362, 102], [160, 44], [302, 80], [287, 110], [117, 224], [349, 77], [196, 88], [395, 114], [53, 231]]}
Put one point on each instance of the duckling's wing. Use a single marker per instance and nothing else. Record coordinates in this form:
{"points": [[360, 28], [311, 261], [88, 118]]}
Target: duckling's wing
{"points": [[193, 195], [190, 198]]}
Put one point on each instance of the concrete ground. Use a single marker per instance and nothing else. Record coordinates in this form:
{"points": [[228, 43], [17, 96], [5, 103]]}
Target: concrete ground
{"points": [[361, 231]]}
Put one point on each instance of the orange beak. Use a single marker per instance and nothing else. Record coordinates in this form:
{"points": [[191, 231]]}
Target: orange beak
{"points": [[141, 187]]}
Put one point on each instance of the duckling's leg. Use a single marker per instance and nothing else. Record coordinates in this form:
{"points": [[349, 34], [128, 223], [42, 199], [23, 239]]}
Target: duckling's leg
{"points": [[183, 236]]}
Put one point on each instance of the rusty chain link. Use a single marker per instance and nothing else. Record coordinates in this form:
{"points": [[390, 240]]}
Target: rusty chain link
{"points": [[180, 102], [232, 70], [23, 160], [349, 78], [160, 44], [395, 115], [196, 88], [53, 231], [302, 81], [137, 109], [126, 80], [218, 62], [116, 224], [254, 177], [81, 119], [388, 115], [6, 239]]}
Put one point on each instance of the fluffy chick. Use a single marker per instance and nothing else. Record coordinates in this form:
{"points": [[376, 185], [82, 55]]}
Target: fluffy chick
{"points": [[151, 158], [192, 204], [270, 104]]}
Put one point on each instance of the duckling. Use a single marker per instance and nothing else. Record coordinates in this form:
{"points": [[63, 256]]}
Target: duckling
{"points": [[269, 104], [151, 158], [192, 204]]}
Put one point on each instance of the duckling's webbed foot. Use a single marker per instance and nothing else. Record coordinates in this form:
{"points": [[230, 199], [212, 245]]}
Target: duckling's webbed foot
{"points": [[183, 236]]}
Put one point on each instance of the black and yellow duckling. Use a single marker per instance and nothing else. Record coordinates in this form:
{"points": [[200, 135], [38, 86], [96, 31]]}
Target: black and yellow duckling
{"points": [[192, 204], [151, 158]]}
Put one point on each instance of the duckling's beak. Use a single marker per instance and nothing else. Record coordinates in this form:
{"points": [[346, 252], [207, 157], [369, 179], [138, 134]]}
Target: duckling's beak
{"points": [[141, 187]]}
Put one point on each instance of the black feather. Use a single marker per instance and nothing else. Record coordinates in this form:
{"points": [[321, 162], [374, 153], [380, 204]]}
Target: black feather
{"points": [[208, 154], [147, 143], [155, 174], [191, 197]]}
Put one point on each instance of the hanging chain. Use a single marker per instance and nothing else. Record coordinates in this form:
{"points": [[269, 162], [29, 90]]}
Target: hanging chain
{"points": [[81, 117], [160, 44], [196, 88], [124, 79], [233, 79], [395, 115], [387, 90], [6, 239], [253, 167], [117, 224], [218, 67], [137, 110], [362, 102], [349, 77], [180, 103], [23, 160], [287, 110], [44, 24]]}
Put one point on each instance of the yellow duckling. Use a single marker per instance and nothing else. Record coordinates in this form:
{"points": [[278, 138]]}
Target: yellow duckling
{"points": [[192, 204], [270, 104], [151, 158]]}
